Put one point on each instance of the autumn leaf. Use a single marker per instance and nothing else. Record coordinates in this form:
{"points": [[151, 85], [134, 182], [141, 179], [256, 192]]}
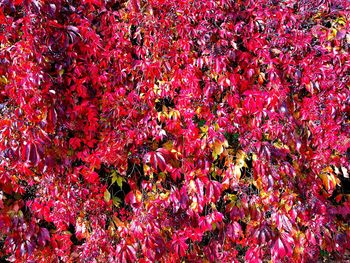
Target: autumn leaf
{"points": [[107, 195], [329, 179], [168, 131], [218, 148]]}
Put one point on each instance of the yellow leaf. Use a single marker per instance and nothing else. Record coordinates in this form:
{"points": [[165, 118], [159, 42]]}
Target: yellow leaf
{"points": [[264, 194], [174, 114], [107, 195], [168, 145], [164, 196], [341, 21], [232, 197], [254, 157], [332, 34], [288, 207], [194, 205], [217, 148], [117, 222], [157, 90], [258, 183], [216, 127], [329, 179], [237, 172], [162, 176], [240, 159], [3, 80], [147, 169], [192, 186], [279, 145], [204, 129], [138, 196]]}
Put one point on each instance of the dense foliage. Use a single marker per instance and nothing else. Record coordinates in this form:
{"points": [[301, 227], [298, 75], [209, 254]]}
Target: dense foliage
{"points": [[170, 131]]}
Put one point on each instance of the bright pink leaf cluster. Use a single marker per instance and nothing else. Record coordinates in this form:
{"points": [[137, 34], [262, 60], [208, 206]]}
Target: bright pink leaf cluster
{"points": [[168, 131]]}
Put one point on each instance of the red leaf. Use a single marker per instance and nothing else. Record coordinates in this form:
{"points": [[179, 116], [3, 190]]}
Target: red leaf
{"points": [[179, 245], [234, 231], [282, 246], [90, 176], [133, 198], [159, 158], [254, 254]]}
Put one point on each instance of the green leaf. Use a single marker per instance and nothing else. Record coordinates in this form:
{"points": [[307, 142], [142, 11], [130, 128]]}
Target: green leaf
{"points": [[201, 123], [116, 201], [114, 177], [117, 178], [120, 181]]}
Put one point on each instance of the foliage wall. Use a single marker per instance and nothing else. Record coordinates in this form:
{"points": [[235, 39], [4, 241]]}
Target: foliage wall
{"points": [[168, 131]]}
